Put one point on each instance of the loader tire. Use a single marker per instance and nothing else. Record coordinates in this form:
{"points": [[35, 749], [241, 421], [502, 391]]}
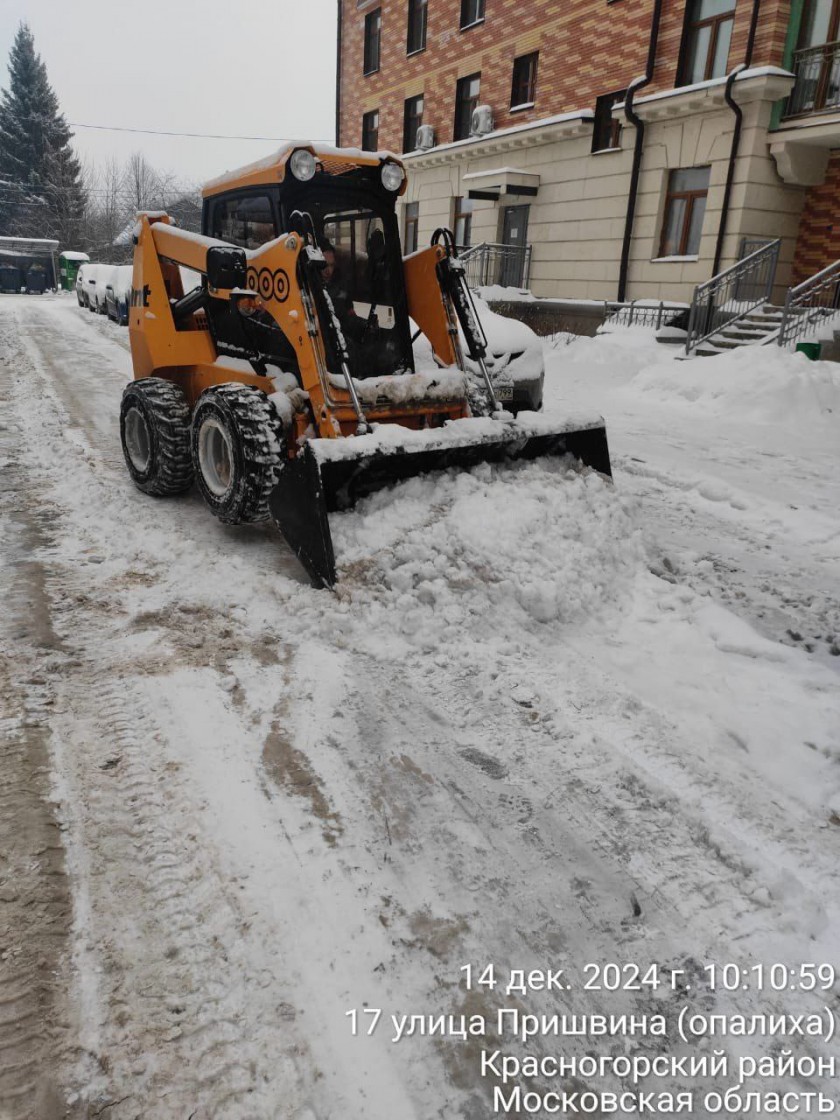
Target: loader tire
{"points": [[237, 450], [155, 435]]}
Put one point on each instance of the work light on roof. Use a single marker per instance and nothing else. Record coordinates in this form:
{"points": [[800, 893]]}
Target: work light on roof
{"points": [[392, 176], [302, 165]]}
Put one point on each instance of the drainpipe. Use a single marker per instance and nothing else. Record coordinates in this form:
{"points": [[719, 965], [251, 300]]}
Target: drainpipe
{"points": [[638, 148], [736, 135], [338, 81]]}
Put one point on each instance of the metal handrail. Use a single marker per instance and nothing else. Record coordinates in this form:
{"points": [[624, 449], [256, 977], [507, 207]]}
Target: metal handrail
{"points": [[492, 263], [809, 303], [732, 295], [817, 85], [738, 267], [467, 252], [640, 313]]}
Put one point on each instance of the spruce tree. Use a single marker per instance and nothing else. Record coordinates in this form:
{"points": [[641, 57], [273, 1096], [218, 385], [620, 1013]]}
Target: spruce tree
{"points": [[40, 189]]}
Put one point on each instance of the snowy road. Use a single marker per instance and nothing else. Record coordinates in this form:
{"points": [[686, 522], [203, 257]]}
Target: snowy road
{"points": [[544, 722]]}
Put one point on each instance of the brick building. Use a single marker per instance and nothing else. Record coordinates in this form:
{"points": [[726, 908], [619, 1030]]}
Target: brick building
{"points": [[624, 148]]}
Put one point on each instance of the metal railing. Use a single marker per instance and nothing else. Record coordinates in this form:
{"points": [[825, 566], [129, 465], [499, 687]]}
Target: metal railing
{"points": [[641, 313], [506, 265], [732, 294], [817, 86], [809, 304]]}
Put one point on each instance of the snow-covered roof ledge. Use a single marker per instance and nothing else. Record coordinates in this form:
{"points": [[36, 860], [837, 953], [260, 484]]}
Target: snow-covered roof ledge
{"points": [[502, 181], [762, 83], [562, 126]]}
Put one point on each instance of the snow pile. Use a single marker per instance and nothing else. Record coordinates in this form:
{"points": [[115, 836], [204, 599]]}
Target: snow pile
{"points": [[511, 346], [757, 383], [505, 335], [465, 550]]}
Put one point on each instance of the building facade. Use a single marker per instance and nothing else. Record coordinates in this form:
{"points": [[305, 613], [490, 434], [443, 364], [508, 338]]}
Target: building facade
{"points": [[620, 148]]}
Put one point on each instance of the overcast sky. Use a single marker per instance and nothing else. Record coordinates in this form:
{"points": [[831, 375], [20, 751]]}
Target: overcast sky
{"points": [[233, 67]]}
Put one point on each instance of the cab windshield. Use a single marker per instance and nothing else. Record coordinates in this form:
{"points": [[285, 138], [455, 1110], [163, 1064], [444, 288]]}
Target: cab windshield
{"points": [[363, 277]]}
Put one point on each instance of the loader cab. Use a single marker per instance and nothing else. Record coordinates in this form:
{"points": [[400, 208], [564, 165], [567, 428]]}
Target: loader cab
{"points": [[353, 215]]}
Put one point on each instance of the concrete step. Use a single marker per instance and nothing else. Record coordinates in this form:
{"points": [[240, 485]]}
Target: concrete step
{"points": [[745, 333], [760, 317], [706, 351], [725, 343]]}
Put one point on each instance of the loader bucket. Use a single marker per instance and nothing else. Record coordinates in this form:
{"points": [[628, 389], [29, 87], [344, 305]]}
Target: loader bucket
{"points": [[331, 475]]}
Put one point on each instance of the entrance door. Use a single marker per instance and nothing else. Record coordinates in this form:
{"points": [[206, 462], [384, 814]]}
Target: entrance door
{"points": [[515, 235]]}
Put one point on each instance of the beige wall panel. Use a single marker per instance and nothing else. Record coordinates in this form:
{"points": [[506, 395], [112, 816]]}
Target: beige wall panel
{"points": [[569, 190]]}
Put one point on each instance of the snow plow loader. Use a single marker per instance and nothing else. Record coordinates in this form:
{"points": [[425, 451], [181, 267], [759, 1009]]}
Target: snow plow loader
{"points": [[273, 359]]}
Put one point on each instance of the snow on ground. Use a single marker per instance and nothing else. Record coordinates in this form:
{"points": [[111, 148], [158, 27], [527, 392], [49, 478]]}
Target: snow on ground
{"points": [[544, 721]]}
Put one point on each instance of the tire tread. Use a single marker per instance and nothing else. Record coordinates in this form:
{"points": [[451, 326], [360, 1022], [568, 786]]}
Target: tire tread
{"points": [[167, 409]]}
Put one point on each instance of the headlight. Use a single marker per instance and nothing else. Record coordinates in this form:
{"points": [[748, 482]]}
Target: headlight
{"points": [[302, 165], [392, 176]]}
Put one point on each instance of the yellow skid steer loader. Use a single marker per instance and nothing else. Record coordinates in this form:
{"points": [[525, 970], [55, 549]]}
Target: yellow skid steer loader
{"points": [[283, 379]]}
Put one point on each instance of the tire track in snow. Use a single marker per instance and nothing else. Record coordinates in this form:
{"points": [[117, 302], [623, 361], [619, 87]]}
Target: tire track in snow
{"points": [[34, 891], [180, 1012], [529, 880]]}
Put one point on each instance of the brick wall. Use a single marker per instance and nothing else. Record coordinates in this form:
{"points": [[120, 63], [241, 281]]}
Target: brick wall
{"points": [[818, 241], [586, 48]]}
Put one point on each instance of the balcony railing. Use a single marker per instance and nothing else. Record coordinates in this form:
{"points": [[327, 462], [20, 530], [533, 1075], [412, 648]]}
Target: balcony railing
{"points": [[817, 87], [506, 265]]}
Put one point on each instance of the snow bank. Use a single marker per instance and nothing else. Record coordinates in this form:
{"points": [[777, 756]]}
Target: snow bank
{"points": [[758, 383]]}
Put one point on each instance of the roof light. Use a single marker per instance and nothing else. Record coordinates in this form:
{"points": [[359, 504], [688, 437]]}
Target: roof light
{"points": [[392, 176], [302, 165]]}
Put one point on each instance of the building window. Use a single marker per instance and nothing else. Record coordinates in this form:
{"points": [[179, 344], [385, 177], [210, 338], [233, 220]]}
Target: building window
{"points": [[466, 99], [685, 207], [412, 119], [820, 21], [370, 131], [462, 213], [417, 13], [708, 32], [373, 36], [607, 131], [523, 90], [412, 217], [472, 11]]}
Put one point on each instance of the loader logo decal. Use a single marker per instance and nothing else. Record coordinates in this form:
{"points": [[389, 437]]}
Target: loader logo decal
{"points": [[266, 284], [269, 284], [140, 296], [281, 286]]}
